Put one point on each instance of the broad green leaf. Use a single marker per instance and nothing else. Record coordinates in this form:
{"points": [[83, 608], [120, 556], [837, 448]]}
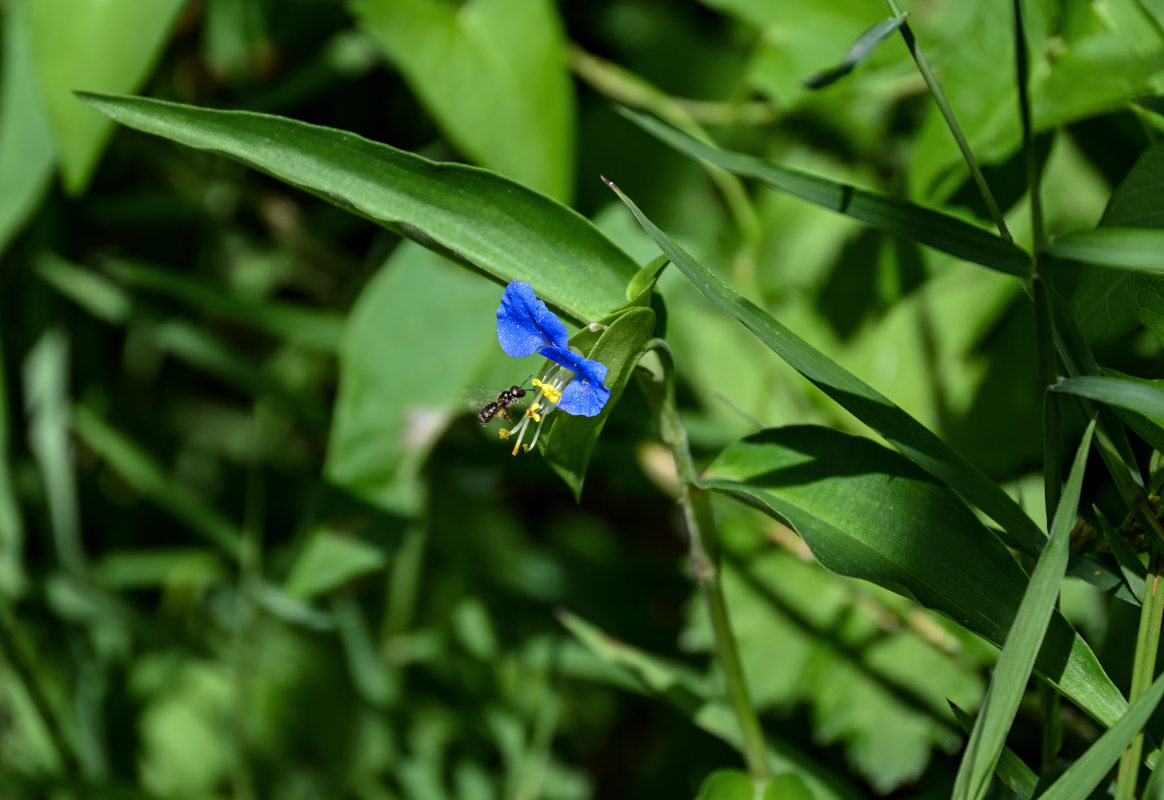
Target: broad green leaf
{"points": [[493, 75], [1120, 392], [1123, 248], [421, 330], [26, 145], [1086, 59], [140, 470], [858, 398], [474, 216], [95, 46], [1110, 301], [866, 43], [894, 215], [1089, 770], [867, 513], [1023, 642], [568, 441]]}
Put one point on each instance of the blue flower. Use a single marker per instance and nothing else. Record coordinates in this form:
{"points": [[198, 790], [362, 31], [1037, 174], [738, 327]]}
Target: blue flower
{"points": [[525, 327]]}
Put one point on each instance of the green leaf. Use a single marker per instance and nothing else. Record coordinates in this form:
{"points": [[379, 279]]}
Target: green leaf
{"points": [[731, 784], [568, 441], [97, 46], [866, 43], [1123, 248], [493, 75], [26, 144], [421, 330], [1134, 572], [479, 218], [894, 215], [329, 560], [1083, 776], [1119, 392], [867, 513], [858, 398], [1011, 769], [1110, 301], [1023, 642]]}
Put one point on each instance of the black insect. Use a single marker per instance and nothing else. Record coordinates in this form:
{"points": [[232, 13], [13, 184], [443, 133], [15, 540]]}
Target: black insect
{"points": [[498, 407]]}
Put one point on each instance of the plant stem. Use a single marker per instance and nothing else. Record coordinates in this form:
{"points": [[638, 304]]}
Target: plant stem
{"points": [[700, 522], [927, 73], [1143, 669]]}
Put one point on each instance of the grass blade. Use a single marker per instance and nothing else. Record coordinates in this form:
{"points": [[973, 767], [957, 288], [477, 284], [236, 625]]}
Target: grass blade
{"points": [[1082, 777], [1118, 392], [1125, 248], [472, 215], [891, 214], [904, 432], [1022, 643], [866, 43]]}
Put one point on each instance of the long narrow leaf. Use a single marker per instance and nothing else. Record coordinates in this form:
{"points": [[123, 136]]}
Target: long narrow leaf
{"points": [[480, 218], [891, 214], [860, 50], [1119, 392], [1022, 643], [864, 402], [1125, 248], [1082, 777], [1011, 769]]}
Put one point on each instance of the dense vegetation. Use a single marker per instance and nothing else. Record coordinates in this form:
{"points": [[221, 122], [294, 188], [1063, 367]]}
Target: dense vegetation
{"points": [[850, 482]]}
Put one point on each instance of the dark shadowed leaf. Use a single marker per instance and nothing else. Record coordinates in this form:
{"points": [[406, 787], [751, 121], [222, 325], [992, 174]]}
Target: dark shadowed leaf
{"points": [[868, 513]]}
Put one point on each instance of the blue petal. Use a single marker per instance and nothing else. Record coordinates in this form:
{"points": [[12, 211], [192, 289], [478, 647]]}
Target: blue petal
{"points": [[524, 324], [586, 394]]}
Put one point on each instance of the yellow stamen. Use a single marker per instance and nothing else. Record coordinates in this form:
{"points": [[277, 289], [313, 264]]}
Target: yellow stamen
{"points": [[532, 412], [503, 433], [552, 394], [515, 447]]}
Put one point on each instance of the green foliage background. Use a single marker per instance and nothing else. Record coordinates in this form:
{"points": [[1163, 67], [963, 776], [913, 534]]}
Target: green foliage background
{"points": [[253, 544]]}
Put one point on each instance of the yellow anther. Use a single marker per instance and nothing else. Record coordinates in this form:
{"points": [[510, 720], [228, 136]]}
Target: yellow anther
{"points": [[552, 394], [516, 447], [525, 448], [537, 384], [532, 412], [503, 433]]}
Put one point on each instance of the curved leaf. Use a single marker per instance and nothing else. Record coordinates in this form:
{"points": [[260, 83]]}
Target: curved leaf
{"points": [[864, 402], [866, 43], [868, 513], [891, 214], [1119, 392], [470, 214]]}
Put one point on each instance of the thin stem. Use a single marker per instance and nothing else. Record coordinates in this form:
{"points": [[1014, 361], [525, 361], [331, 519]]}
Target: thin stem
{"points": [[927, 73], [1048, 365], [700, 522], [1143, 671]]}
